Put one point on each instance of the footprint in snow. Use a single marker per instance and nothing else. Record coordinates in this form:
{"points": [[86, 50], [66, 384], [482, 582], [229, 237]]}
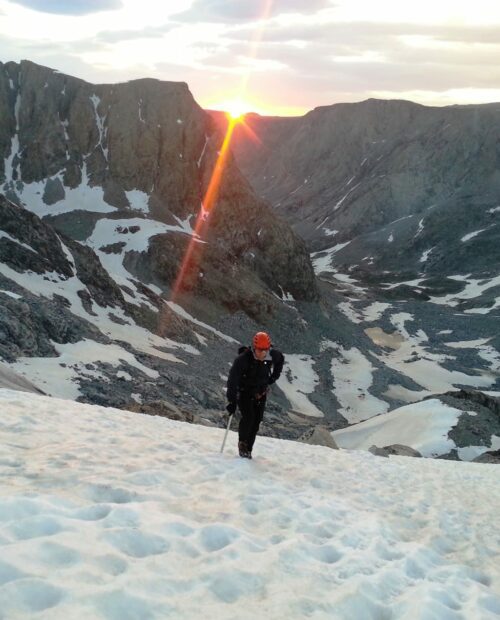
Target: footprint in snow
{"points": [[135, 543], [216, 537]]}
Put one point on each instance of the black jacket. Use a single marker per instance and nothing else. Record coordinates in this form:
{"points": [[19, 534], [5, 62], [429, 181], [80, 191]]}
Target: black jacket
{"points": [[250, 377]]}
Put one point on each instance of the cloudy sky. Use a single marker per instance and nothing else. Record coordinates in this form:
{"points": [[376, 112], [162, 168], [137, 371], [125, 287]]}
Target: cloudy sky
{"points": [[280, 56]]}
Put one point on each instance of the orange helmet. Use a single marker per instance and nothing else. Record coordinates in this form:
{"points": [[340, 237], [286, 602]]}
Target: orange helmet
{"points": [[261, 340]]}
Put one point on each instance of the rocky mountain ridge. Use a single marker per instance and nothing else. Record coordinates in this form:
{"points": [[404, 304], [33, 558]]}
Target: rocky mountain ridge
{"points": [[381, 180], [77, 153]]}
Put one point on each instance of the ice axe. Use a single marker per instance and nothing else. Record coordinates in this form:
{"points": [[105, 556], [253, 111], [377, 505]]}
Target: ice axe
{"points": [[227, 431]]}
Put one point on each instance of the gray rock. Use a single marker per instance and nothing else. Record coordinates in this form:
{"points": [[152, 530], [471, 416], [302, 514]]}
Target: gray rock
{"points": [[492, 456], [164, 409], [480, 418], [319, 436], [54, 191], [394, 450]]}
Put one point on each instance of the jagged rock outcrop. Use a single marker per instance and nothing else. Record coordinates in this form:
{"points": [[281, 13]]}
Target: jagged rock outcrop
{"points": [[164, 409], [480, 420], [102, 189], [30, 324], [29, 244]]}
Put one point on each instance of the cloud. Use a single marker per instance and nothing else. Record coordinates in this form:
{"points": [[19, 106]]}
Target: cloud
{"points": [[150, 32], [325, 63], [227, 11], [73, 7], [296, 62], [465, 56], [361, 33]]}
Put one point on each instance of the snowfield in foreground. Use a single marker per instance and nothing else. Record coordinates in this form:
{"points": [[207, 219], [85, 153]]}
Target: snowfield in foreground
{"points": [[106, 514]]}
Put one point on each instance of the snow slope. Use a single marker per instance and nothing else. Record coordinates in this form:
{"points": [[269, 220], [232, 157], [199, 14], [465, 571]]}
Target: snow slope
{"points": [[423, 426], [105, 514], [13, 381]]}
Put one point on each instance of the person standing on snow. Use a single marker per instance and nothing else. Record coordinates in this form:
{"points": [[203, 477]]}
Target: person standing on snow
{"points": [[251, 374]]}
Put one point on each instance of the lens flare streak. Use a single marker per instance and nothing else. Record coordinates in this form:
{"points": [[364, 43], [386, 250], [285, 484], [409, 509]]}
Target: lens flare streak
{"points": [[189, 263], [202, 222]]}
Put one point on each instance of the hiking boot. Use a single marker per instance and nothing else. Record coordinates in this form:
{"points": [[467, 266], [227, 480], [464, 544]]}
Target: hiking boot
{"points": [[244, 451]]}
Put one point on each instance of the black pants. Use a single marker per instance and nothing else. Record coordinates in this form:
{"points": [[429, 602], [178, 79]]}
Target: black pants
{"points": [[252, 412]]}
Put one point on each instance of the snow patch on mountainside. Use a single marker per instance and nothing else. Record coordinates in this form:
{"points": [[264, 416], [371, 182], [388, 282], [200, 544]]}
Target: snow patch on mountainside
{"points": [[415, 359], [423, 426], [297, 381], [352, 374], [84, 197]]}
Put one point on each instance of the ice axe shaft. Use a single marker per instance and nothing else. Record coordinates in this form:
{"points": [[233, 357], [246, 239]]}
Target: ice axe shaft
{"points": [[225, 434]]}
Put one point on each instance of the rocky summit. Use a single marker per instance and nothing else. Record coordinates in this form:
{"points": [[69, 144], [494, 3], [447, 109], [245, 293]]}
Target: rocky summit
{"points": [[363, 237]]}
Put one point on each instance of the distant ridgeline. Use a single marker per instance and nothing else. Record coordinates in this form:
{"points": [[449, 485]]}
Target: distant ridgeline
{"points": [[391, 185]]}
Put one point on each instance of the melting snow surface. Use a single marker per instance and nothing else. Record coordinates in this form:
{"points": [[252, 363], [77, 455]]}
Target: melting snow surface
{"points": [[471, 235], [425, 255], [185, 315], [10, 294], [108, 232], [138, 200], [425, 368], [423, 426], [200, 159], [473, 288], [59, 375], [100, 124], [110, 515], [322, 261], [4, 235], [84, 197], [47, 373], [340, 202], [297, 381], [368, 314], [352, 378], [14, 146]]}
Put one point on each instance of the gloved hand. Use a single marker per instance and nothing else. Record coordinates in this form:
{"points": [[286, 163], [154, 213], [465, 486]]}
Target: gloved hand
{"points": [[231, 408]]}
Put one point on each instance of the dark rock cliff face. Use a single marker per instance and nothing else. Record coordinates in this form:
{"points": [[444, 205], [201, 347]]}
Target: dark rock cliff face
{"points": [[128, 135], [76, 153], [352, 172], [29, 244], [29, 323]]}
